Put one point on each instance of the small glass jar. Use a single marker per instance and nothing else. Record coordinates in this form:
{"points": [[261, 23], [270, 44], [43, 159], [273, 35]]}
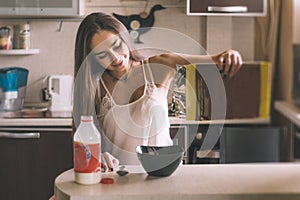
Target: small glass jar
{"points": [[24, 36]]}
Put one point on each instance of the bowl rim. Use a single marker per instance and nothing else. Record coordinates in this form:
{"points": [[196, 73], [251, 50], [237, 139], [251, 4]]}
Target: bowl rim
{"points": [[181, 150]]}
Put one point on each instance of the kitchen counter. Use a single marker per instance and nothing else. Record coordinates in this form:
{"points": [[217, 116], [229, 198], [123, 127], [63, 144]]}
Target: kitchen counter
{"points": [[289, 110], [183, 121], [272, 181], [18, 122], [36, 118], [65, 119], [291, 113]]}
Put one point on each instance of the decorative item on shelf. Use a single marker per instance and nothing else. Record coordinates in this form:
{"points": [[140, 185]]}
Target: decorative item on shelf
{"points": [[15, 40], [24, 36], [6, 38], [138, 24]]}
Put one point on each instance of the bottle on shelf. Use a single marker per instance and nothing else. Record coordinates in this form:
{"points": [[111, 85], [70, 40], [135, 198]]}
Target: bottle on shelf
{"points": [[87, 150]]}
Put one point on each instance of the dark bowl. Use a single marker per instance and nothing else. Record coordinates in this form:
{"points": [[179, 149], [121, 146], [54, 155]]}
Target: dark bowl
{"points": [[160, 161]]}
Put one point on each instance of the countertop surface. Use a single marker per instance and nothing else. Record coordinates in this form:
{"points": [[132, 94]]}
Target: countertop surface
{"points": [[47, 118], [36, 118], [220, 181], [289, 110]]}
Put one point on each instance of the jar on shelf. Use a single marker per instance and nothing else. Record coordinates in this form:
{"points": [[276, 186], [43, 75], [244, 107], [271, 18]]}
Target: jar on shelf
{"points": [[24, 36]]}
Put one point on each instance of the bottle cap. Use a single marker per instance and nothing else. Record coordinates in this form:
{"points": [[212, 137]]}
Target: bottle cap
{"points": [[107, 181], [86, 118]]}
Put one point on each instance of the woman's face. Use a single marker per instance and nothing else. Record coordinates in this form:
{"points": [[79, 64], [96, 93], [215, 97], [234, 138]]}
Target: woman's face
{"points": [[110, 51]]}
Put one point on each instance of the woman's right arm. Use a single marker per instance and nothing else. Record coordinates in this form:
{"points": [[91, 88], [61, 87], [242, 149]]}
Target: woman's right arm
{"points": [[109, 162]]}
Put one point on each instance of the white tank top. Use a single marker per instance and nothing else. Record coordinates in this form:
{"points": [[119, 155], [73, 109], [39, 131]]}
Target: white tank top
{"points": [[142, 122]]}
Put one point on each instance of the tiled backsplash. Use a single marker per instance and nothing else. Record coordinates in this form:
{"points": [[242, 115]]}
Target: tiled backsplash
{"points": [[56, 39]]}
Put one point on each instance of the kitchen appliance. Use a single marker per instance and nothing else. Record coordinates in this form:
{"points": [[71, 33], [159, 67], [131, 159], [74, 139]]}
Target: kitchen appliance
{"points": [[13, 82], [60, 92]]}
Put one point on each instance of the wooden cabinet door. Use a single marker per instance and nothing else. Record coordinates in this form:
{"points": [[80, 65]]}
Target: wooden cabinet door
{"points": [[15, 161], [230, 7], [53, 155], [29, 166]]}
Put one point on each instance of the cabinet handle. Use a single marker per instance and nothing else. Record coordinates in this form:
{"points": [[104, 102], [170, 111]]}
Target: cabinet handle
{"points": [[208, 154], [229, 9], [297, 135], [19, 135], [198, 136]]}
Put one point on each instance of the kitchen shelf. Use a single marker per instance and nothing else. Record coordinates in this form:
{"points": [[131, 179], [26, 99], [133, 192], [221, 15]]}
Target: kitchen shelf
{"points": [[19, 52]]}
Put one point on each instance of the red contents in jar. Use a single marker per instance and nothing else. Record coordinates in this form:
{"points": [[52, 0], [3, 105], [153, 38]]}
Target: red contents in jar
{"points": [[86, 157]]}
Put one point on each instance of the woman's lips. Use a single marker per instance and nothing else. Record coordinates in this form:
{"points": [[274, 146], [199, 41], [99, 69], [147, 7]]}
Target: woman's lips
{"points": [[118, 63]]}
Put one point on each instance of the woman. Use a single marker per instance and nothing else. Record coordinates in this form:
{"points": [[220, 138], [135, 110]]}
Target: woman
{"points": [[126, 91]]}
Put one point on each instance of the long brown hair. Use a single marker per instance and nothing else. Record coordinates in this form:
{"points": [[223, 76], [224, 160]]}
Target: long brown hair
{"points": [[87, 70]]}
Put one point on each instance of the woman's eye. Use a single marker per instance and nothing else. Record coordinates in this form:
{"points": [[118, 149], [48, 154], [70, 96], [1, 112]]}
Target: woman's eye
{"points": [[118, 45], [102, 55]]}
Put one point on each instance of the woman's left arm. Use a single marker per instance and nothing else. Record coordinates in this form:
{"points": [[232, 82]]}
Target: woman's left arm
{"points": [[228, 62]]}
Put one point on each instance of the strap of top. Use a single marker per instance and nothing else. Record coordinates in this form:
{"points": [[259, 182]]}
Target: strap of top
{"points": [[149, 71], [144, 74], [148, 84]]}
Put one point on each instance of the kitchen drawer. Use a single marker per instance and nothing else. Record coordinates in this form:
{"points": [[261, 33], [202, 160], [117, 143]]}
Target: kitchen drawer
{"points": [[227, 7]]}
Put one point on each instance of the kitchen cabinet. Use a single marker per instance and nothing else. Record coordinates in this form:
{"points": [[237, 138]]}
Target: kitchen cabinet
{"points": [[297, 144], [288, 114], [41, 8], [31, 158], [192, 134], [227, 7], [179, 135], [205, 149]]}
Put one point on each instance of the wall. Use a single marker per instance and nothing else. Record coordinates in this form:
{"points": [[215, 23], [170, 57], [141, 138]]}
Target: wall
{"points": [[57, 46], [55, 57], [296, 19], [285, 59]]}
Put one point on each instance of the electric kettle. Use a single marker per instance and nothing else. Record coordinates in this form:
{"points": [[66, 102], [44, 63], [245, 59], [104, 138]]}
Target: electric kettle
{"points": [[13, 82], [60, 92]]}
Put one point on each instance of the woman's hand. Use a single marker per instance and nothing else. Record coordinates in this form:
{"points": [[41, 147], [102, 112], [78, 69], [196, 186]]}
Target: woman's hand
{"points": [[109, 162], [229, 62]]}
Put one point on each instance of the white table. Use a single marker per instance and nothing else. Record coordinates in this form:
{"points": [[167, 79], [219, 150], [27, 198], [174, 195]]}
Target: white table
{"points": [[192, 182]]}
